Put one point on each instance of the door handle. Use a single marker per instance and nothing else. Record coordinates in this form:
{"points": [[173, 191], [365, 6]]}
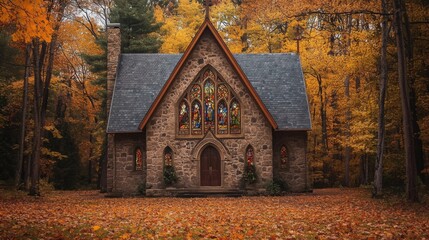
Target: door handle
{"points": [[210, 170]]}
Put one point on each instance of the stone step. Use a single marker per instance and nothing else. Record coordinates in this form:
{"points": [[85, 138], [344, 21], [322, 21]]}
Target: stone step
{"points": [[205, 194]]}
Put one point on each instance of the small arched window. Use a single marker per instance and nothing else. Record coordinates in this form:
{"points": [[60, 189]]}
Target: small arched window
{"points": [[283, 155], [168, 156], [250, 156], [138, 159]]}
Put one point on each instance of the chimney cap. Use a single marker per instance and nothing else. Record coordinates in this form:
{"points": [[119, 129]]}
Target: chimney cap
{"points": [[113, 25]]}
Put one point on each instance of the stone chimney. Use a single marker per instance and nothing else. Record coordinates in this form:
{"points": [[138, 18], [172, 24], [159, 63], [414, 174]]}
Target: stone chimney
{"points": [[113, 52]]}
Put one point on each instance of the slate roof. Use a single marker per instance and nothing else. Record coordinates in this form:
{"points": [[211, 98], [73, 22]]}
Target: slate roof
{"points": [[277, 78]]}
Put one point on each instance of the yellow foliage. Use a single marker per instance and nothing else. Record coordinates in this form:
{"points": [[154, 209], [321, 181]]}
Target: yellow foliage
{"points": [[179, 29]]}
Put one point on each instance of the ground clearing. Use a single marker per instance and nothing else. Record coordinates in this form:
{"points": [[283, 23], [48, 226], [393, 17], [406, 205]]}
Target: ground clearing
{"points": [[327, 213]]}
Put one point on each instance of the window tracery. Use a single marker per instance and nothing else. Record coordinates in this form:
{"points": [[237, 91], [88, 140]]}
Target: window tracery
{"points": [[209, 103]]}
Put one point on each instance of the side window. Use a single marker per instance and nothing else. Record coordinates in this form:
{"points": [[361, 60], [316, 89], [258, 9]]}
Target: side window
{"points": [[138, 159], [168, 156], [250, 155], [283, 156]]}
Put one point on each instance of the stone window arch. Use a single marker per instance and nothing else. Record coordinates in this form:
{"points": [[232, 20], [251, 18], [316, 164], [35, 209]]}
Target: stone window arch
{"points": [[138, 159], [168, 156], [209, 104], [250, 155]]}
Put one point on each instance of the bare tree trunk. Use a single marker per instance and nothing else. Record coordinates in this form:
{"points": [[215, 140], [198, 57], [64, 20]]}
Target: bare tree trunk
{"points": [[23, 117], [378, 174], [411, 171]]}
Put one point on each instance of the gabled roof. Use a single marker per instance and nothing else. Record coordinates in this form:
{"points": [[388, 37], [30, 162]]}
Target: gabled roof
{"points": [[276, 78], [208, 26]]}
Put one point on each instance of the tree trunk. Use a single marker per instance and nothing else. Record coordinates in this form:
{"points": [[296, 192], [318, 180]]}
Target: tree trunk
{"points": [[348, 148], [418, 145], [41, 98], [23, 117], [378, 174], [323, 116], [411, 171], [35, 161]]}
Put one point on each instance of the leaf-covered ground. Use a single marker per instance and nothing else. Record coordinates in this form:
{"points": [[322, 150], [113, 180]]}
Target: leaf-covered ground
{"points": [[324, 214]]}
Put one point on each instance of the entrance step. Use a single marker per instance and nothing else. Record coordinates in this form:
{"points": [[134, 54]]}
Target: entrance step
{"points": [[205, 194]]}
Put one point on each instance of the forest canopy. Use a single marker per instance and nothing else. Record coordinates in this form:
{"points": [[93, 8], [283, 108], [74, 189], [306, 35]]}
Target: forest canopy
{"points": [[365, 65]]}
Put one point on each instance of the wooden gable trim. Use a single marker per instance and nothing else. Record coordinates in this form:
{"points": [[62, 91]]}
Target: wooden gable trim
{"points": [[231, 59]]}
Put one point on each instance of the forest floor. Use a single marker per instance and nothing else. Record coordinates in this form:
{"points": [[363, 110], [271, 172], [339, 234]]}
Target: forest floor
{"points": [[323, 214]]}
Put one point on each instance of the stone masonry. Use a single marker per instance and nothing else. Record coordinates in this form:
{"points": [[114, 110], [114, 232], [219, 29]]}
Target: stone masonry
{"points": [[295, 171], [162, 133], [122, 175]]}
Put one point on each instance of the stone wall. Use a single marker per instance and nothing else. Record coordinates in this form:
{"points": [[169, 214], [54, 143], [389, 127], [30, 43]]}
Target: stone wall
{"points": [[113, 52], [161, 128], [122, 176], [295, 171]]}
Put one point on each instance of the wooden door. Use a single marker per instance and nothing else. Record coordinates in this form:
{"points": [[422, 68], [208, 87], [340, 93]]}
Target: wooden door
{"points": [[210, 167]]}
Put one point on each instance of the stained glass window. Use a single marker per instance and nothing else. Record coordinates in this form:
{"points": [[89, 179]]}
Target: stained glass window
{"points": [[209, 103], [183, 118], [222, 92], [209, 107], [209, 74], [250, 156], [222, 117], [283, 155], [196, 91], [168, 156], [196, 117], [235, 117], [138, 165]]}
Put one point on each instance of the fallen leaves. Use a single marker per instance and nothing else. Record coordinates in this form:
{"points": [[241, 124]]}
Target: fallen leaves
{"points": [[326, 214]]}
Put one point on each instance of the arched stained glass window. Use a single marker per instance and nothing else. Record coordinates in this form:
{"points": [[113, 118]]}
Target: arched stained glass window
{"points": [[138, 160], [222, 117], [250, 156], [283, 155], [168, 156], [222, 92], [196, 117], [196, 92], [235, 117], [183, 118], [209, 103]]}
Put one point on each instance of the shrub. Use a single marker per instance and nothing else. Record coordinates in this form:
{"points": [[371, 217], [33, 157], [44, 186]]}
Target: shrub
{"points": [[170, 176], [250, 174], [276, 187]]}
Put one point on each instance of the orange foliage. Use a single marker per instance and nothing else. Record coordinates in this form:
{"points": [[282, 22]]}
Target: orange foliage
{"points": [[30, 18], [325, 214]]}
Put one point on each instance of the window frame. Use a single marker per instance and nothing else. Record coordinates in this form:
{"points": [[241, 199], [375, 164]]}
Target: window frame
{"points": [[187, 96]]}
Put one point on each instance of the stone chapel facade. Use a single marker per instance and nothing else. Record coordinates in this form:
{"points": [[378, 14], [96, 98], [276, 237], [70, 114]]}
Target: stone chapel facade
{"points": [[209, 114]]}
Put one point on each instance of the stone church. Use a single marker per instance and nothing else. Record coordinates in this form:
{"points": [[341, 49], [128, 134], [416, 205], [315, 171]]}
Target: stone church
{"points": [[209, 114]]}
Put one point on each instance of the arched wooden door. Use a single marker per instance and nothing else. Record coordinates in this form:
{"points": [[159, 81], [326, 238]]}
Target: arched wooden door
{"points": [[210, 167]]}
